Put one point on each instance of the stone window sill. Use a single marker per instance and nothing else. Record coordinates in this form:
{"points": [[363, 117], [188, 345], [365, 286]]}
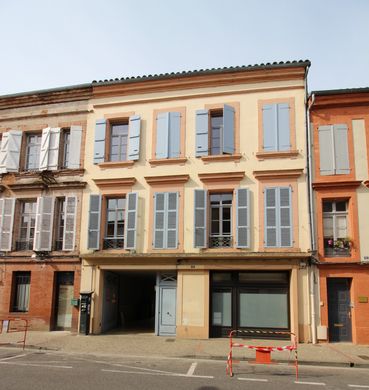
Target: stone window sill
{"points": [[221, 157], [276, 154], [168, 161], [116, 164]]}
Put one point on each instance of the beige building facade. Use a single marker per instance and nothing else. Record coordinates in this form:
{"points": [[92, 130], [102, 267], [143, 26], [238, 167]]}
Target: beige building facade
{"points": [[195, 216]]}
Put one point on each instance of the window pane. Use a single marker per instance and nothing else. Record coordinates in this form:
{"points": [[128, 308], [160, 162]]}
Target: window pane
{"points": [[263, 277], [226, 227], [222, 308], [341, 206], [341, 222], [264, 308], [328, 226], [222, 276]]}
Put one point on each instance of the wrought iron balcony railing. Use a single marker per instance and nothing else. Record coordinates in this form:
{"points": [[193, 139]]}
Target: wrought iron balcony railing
{"points": [[216, 241], [113, 243]]}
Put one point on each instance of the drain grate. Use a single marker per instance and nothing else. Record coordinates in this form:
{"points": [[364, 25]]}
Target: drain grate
{"points": [[364, 357]]}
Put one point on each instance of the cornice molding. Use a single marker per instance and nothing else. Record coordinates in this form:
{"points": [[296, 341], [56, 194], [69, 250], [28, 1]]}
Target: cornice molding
{"points": [[172, 179], [224, 177], [278, 174], [336, 185], [115, 183]]}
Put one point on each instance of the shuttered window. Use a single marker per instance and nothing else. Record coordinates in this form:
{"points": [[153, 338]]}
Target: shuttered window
{"points": [[114, 224], [166, 220], [168, 135], [276, 127], [333, 146], [278, 217], [27, 225], [21, 291], [33, 148]]}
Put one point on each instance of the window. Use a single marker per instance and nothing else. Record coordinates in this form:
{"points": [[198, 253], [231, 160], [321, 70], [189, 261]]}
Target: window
{"points": [[276, 127], [278, 217], [220, 220], [27, 225], [65, 149], [215, 131], [33, 146], [114, 226], [333, 147], [335, 229], [117, 141], [21, 287], [214, 219], [60, 224]]}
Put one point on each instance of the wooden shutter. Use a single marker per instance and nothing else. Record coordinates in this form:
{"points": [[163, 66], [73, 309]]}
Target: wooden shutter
{"points": [[242, 218], [202, 131], [75, 143], [14, 150], [6, 224], [99, 144], [326, 150], [94, 222], [285, 217], [269, 127], [131, 221], [342, 164], [200, 231], [53, 161], [159, 218], [228, 129], [162, 135], [270, 218], [134, 138], [3, 152], [44, 149], [284, 131], [70, 216], [44, 223], [172, 220], [174, 134]]}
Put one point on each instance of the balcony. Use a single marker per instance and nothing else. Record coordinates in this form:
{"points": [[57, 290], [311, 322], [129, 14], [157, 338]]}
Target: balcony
{"points": [[216, 241], [24, 245], [113, 243], [340, 247]]}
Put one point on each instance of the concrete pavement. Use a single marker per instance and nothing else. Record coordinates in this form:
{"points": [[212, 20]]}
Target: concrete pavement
{"points": [[147, 344]]}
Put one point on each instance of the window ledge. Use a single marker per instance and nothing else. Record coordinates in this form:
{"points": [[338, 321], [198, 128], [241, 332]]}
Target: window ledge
{"points": [[168, 161], [221, 157], [116, 164], [276, 154], [279, 249]]}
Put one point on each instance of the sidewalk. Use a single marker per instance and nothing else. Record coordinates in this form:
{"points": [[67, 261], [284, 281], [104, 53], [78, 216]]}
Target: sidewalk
{"points": [[148, 345]]}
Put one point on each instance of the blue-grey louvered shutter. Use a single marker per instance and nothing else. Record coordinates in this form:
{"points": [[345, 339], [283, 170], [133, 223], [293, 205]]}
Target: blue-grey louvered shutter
{"points": [[162, 135], [228, 129], [242, 218], [174, 134], [202, 131], [326, 150], [94, 222], [99, 145], [285, 217], [134, 138], [284, 131], [269, 127], [342, 163], [200, 233], [270, 218], [131, 221], [159, 218], [172, 220]]}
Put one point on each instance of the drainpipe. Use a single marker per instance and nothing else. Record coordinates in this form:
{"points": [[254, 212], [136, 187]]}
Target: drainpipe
{"points": [[311, 273]]}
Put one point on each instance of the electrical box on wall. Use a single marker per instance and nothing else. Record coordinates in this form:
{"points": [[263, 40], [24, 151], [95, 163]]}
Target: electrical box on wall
{"points": [[365, 259], [322, 333]]}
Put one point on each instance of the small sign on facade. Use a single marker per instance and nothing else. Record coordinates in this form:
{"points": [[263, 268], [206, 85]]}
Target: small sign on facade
{"points": [[363, 299]]}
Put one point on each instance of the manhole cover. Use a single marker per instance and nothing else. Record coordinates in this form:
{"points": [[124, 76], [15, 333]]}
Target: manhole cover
{"points": [[170, 340], [364, 357]]}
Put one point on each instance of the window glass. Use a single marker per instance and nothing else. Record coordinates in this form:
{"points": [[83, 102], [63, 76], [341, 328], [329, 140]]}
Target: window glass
{"points": [[66, 146], [27, 226], [21, 289], [114, 229], [222, 308], [33, 145], [221, 220], [60, 223], [267, 277], [118, 142]]}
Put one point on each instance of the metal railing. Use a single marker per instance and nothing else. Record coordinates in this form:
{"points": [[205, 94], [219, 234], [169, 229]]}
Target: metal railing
{"points": [[337, 252], [113, 243], [216, 241], [24, 245]]}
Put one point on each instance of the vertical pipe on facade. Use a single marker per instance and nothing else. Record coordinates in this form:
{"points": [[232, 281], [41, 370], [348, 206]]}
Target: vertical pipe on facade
{"points": [[311, 272]]}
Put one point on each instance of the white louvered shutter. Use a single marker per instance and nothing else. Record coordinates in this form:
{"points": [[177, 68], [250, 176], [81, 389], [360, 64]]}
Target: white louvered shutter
{"points": [[44, 223], [13, 150], [7, 221], [3, 152], [70, 214]]}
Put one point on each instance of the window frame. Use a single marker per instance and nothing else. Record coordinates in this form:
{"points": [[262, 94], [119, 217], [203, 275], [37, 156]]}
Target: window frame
{"points": [[27, 137], [14, 290], [28, 242], [64, 147], [59, 212], [104, 222], [232, 207], [110, 123]]}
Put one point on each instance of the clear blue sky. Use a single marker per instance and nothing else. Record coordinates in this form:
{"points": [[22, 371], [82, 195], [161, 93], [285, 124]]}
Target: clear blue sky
{"points": [[52, 43]]}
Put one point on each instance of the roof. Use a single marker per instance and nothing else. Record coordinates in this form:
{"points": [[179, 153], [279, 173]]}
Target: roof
{"points": [[232, 69], [328, 92]]}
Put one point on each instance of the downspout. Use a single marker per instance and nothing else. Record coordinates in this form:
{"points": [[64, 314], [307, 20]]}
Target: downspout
{"points": [[311, 269]]}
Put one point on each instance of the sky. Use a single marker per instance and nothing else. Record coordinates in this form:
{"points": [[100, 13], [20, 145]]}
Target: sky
{"points": [[48, 44]]}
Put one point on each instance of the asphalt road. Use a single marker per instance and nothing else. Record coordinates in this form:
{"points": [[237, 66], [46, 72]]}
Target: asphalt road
{"points": [[57, 371]]}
